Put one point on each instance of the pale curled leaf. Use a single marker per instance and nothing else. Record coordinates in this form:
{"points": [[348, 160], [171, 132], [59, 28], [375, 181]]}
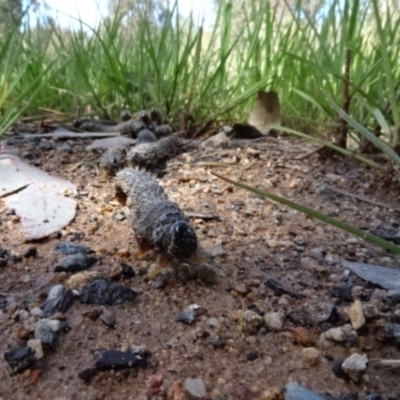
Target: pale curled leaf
{"points": [[37, 197]]}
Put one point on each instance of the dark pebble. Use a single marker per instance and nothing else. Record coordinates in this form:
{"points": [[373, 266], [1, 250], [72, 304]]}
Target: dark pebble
{"points": [[59, 299], [87, 375], [68, 248], [343, 292], [127, 271], [395, 298], [390, 333], [103, 292], [16, 258], [253, 355], [279, 289], [328, 314], [115, 359], [3, 262], [3, 253], [338, 370], [300, 317], [75, 262], [217, 342], [30, 252], [20, 359], [46, 144]]}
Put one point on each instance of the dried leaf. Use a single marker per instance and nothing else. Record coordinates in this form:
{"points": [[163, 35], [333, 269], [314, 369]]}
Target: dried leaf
{"points": [[37, 197]]}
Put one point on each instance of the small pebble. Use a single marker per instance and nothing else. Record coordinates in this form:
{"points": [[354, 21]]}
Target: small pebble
{"points": [[20, 359], [36, 346], [108, 318], [295, 392], [195, 388], [274, 320], [310, 355], [356, 315], [354, 366], [189, 315]]}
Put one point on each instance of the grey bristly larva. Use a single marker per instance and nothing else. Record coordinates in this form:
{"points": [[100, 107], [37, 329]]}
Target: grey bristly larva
{"points": [[158, 223], [146, 136], [130, 127], [152, 155], [113, 160], [162, 131]]}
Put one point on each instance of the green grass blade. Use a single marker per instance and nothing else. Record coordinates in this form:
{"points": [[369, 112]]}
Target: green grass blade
{"points": [[312, 213]]}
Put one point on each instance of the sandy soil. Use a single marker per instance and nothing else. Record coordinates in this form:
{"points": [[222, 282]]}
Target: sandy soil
{"points": [[253, 240]]}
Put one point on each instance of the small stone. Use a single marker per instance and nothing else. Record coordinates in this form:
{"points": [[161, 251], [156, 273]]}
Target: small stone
{"points": [[59, 298], [103, 292], [356, 315], [3, 262], [79, 280], [87, 375], [295, 392], [93, 315], [154, 382], [370, 311], [189, 315], [123, 253], [220, 140], [352, 240], [216, 251], [21, 331], [335, 334], [36, 346], [36, 312], [68, 248], [46, 331], [310, 355], [241, 289], [195, 388], [108, 318], [302, 336], [272, 393], [30, 252], [253, 321], [116, 272], [274, 320], [75, 262], [106, 360], [214, 323], [217, 342], [20, 359], [309, 263], [210, 274], [355, 366]]}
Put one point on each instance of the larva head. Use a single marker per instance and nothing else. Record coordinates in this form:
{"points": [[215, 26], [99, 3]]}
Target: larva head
{"points": [[146, 136], [145, 117], [182, 241], [125, 116], [156, 116]]}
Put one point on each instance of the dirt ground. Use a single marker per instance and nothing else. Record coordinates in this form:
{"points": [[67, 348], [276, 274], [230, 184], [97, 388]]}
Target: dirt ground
{"points": [[252, 240]]}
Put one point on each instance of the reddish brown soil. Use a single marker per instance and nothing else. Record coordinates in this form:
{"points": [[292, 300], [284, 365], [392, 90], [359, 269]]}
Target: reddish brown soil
{"points": [[258, 238]]}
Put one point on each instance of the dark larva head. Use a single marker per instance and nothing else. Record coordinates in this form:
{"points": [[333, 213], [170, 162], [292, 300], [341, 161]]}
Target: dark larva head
{"points": [[146, 136], [144, 117], [156, 116], [125, 116], [182, 240]]}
